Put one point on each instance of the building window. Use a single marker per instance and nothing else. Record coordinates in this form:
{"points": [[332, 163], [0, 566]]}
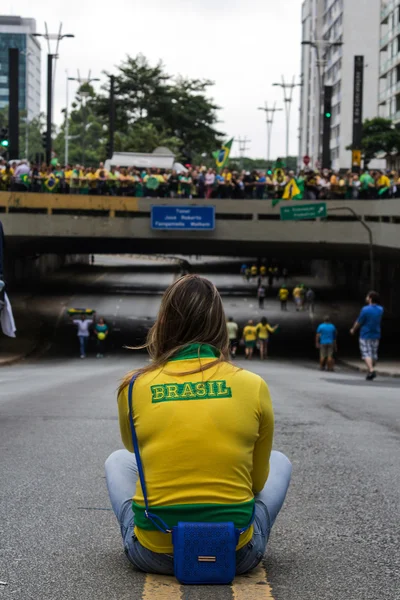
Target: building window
{"points": [[398, 103]]}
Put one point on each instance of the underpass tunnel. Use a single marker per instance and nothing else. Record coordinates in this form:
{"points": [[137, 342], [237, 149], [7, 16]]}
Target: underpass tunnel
{"points": [[126, 291]]}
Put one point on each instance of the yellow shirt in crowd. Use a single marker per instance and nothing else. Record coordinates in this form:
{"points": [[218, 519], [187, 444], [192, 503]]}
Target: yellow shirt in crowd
{"points": [[263, 331], [383, 181], [297, 292], [92, 179], [250, 333], [205, 441], [284, 294]]}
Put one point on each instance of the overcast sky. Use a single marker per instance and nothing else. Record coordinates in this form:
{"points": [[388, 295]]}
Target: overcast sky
{"points": [[244, 46]]}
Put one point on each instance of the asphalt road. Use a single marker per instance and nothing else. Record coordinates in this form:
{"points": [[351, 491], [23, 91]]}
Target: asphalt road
{"points": [[336, 538]]}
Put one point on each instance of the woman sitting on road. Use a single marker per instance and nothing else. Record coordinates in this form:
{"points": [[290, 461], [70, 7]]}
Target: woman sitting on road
{"points": [[205, 430]]}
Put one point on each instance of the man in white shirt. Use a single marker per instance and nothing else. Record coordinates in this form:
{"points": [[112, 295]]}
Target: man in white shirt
{"points": [[83, 324], [22, 169]]}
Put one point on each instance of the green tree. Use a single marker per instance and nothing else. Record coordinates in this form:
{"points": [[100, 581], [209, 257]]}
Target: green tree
{"points": [[379, 136], [145, 137], [146, 94]]}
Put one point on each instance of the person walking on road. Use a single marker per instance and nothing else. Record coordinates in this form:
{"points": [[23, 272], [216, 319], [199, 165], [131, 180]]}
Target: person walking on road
{"points": [[326, 343], [83, 331], [264, 330], [298, 297], [233, 329], [261, 295], [369, 324], [101, 331], [283, 296], [310, 301], [190, 380], [250, 339]]}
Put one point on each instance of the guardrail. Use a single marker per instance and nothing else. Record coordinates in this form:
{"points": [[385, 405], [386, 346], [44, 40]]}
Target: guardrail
{"points": [[110, 206], [385, 211]]}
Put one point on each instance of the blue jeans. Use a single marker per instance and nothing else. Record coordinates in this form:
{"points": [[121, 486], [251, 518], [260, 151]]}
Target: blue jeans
{"points": [[83, 342], [122, 475]]}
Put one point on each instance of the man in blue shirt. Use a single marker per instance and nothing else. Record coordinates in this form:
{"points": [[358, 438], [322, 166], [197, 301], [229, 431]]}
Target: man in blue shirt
{"points": [[325, 341], [369, 323]]}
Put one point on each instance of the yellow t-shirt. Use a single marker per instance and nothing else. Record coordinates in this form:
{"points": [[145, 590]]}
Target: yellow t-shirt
{"points": [[383, 181], [250, 333], [284, 294], [104, 171], [263, 270], [205, 440], [254, 270], [92, 179], [297, 292], [263, 331]]}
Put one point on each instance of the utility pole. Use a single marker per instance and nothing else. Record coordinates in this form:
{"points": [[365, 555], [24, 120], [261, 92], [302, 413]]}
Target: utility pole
{"points": [[13, 103], [243, 147], [111, 117], [270, 116], [288, 99], [51, 80], [49, 107]]}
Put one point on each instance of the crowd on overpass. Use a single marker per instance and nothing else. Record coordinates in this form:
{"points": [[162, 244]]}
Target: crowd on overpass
{"points": [[197, 182]]}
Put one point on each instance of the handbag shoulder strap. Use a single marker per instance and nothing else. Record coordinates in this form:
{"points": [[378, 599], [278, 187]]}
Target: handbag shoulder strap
{"points": [[152, 517]]}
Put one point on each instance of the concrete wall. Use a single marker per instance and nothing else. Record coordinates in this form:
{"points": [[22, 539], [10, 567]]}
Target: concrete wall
{"points": [[241, 227], [353, 278], [18, 270]]}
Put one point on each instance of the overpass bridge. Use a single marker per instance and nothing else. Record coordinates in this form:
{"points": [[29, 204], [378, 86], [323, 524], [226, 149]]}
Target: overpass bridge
{"points": [[72, 224]]}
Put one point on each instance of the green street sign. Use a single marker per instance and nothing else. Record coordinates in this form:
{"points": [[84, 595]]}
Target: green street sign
{"points": [[316, 210]]}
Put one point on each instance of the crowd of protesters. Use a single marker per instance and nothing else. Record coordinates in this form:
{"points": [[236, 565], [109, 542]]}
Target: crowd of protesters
{"points": [[196, 182]]}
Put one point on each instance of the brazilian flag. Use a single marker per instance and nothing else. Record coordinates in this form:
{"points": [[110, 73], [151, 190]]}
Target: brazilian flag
{"points": [[51, 183], [222, 156], [291, 191], [294, 190], [25, 180]]}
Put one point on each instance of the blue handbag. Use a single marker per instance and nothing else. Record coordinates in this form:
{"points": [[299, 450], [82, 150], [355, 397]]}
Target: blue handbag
{"points": [[204, 553]]}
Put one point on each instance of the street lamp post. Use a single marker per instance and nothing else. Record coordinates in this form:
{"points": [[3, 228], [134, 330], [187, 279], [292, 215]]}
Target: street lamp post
{"points": [[288, 98], [50, 80], [269, 114], [320, 47], [81, 81]]}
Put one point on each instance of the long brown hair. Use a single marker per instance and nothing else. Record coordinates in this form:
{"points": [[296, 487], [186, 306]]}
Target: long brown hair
{"points": [[191, 312]]}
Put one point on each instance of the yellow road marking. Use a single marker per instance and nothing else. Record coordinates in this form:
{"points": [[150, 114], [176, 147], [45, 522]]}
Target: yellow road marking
{"points": [[161, 587], [252, 586]]}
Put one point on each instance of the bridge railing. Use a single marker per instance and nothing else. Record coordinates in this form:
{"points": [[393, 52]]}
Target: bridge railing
{"points": [[384, 211]]}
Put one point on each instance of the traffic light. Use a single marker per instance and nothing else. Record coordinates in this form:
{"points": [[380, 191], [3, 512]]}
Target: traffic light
{"points": [[44, 139], [4, 137], [326, 131]]}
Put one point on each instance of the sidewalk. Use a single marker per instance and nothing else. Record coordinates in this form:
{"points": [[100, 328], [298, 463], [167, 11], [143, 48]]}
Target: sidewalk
{"points": [[390, 368], [28, 333]]}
